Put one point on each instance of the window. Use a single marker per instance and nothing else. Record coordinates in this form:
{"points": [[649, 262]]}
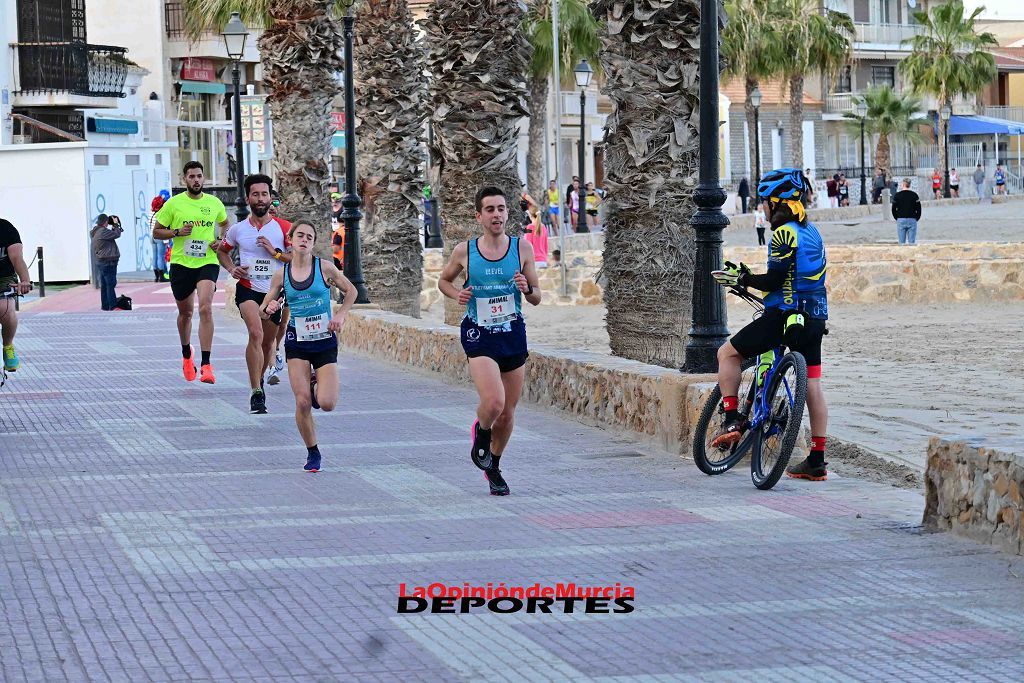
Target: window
{"points": [[131, 159], [849, 152], [883, 75], [159, 159], [844, 81], [100, 160]]}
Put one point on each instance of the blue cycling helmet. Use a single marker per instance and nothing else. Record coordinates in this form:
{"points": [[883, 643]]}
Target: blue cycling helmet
{"points": [[783, 183]]}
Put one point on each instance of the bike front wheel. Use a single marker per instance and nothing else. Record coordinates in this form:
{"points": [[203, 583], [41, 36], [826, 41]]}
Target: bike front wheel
{"points": [[775, 438], [712, 460]]}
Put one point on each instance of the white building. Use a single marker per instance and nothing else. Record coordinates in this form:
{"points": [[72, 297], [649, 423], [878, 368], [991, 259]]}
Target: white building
{"points": [[72, 140]]}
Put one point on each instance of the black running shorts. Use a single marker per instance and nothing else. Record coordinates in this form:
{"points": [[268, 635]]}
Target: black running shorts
{"points": [[185, 279], [317, 358], [765, 334], [243, 294]]}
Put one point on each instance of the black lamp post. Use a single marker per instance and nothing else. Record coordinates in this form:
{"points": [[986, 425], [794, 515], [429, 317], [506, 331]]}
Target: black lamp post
{"points": [[350, 214], [235, 35], [583, 74], [862, 114], [755, 101], [709, 330], [945, 113]]}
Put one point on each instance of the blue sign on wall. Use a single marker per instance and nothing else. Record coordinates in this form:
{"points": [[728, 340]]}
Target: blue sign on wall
{"points": [[112, 126]]}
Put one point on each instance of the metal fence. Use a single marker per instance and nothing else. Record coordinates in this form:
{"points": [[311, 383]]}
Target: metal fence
{"points": [[76, 68]]}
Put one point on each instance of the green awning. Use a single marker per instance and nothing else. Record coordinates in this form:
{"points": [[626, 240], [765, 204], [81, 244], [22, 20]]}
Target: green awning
{"points": [[203, 88]]}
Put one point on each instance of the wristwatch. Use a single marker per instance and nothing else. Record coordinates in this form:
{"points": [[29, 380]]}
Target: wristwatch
{"points": [[175, 232], [277, 254], [529, 289]]}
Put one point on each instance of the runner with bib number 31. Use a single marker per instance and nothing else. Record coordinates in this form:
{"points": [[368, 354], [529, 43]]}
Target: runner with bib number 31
{"points": [[311, 342]]}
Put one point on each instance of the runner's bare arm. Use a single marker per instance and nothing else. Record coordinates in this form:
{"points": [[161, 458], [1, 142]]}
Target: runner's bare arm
{"points": [[270, 304], [528, 277], [162, 232], [456, 264], [16, 252]]}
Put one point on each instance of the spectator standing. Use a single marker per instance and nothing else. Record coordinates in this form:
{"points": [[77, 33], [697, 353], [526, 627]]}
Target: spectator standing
{"points": [[744, 193], [159, 246], [954, 183], [832, 190], [877, 185], [1000, 179], [906, 209], [979, 181], [809, 198], [104, 250], [760, 222]]}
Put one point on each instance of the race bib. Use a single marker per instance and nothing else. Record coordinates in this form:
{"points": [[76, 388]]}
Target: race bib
{"points": [[495, 310], [196, 248], [312, 327], [259, 269]]}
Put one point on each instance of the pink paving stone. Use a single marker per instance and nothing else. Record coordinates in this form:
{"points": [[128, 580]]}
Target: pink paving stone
{"points": [[969, 635], [809, 506], [616, 518]]}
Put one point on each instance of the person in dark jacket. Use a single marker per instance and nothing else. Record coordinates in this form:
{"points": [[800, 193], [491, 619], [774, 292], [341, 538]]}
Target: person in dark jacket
{"points": [[104, 250], [744, 192], [906, 209]]}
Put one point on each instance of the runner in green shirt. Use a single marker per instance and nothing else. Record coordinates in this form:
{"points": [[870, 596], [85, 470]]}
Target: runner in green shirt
{"points": [[190, 221]]}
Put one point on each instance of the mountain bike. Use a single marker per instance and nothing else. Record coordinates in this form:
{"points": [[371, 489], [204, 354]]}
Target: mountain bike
{"points": [[774, 391]]}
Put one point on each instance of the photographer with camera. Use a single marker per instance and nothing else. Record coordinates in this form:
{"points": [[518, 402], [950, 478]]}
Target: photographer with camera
{"points": [[104, 250]]}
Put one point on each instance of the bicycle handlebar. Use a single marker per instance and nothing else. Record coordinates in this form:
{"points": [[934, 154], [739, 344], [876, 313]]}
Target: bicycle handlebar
{"points": [[744, 293]]}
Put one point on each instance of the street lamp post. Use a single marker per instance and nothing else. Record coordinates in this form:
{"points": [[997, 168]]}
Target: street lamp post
{"points": [[583, 74], [709, 330], [350, 214], [235, 35], [862, 114], [755, 100], [945, 113]]}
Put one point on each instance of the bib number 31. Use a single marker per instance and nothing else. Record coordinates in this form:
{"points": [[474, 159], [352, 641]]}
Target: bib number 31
{"points": [[312, 327], [495, 310]]}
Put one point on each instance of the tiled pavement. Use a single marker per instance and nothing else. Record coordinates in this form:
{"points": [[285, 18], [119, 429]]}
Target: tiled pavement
{"points": [[152, 529]]}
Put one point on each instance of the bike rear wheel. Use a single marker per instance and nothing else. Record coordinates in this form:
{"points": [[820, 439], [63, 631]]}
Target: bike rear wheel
{"points": [[712, 460], [775, 438]]}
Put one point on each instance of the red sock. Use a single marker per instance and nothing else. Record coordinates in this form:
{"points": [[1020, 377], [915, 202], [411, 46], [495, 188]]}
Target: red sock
{"points": [[817, 456]]}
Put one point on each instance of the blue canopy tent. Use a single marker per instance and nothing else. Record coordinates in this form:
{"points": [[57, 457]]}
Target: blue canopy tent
{"points": [[986, 125]]}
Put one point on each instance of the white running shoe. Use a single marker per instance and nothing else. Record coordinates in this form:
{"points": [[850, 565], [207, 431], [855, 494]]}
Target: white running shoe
{"points": [[272, 378], [279, 361]]}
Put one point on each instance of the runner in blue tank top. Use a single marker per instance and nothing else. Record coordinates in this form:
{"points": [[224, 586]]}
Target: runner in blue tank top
{"points": [[500, 273], [311, 342]]}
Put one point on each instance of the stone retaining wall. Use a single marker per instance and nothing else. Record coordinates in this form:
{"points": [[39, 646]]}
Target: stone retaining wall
{"points": [[975, 490], [652, 402], [923, 273]]}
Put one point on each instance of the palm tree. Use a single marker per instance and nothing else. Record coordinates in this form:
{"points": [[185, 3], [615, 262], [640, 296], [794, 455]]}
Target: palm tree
{"points": [[749, 52], [889, 114], [577, 39], [477, 62], [300, 50], [811, 39], [650, 57], [948, 57], [390, 92]]}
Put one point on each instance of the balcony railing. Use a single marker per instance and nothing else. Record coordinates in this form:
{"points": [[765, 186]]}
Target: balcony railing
{"points": [[840, 103], [884, 34], [76, 68], [1008, 113], [571, 103]]}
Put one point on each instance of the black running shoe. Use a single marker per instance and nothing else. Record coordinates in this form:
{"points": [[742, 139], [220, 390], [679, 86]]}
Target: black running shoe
{"points": [[312, 463], [805, 470], [496, 482], [312, 392], [258, 403], [480, 451]]}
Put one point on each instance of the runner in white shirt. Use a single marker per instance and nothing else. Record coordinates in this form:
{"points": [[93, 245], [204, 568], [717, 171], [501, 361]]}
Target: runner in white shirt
{"points": [[263, 250]]}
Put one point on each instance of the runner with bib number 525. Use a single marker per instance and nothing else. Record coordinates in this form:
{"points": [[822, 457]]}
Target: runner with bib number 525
{"points": [[311, 342]]}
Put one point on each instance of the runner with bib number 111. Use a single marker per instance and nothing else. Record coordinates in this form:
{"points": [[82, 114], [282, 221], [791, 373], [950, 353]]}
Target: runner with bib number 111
{"points": [[311, 342], [500, 273]]}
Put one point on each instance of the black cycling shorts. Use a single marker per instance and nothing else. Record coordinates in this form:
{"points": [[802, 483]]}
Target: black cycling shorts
{"points": [[765, 334], [243, 294], [185, 279]]}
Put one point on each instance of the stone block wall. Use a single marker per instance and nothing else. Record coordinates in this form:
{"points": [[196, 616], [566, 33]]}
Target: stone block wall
{"points": [[975, 490]]}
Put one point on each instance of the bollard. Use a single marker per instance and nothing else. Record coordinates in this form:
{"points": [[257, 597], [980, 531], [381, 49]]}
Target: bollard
{"points": [[886, 208], [42, 279]]}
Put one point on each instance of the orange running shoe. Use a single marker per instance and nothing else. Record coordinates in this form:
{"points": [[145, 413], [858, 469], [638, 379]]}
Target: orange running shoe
{"points": [[206, 374], [188, 366]]}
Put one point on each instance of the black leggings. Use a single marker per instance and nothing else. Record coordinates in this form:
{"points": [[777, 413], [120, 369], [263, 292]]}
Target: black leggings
{"points": [[760, 236]]}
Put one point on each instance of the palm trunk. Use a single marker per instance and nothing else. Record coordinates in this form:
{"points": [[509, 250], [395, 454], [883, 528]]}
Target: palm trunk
{"points": [[477, 62], [883, 155], [535, 181], [752, 137], [796, 120], [300, 55], [650, 58], [390, 95]]}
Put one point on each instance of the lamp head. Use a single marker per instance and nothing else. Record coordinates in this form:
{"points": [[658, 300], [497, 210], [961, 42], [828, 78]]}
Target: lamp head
{"points": [[235, 34], [945, 112], [583, 74], [755, 97], [862, 109]]}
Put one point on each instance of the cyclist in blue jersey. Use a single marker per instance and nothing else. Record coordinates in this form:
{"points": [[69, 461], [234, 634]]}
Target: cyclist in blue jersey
{"points": [[796, 308], [500, 273], [311, 342]]}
